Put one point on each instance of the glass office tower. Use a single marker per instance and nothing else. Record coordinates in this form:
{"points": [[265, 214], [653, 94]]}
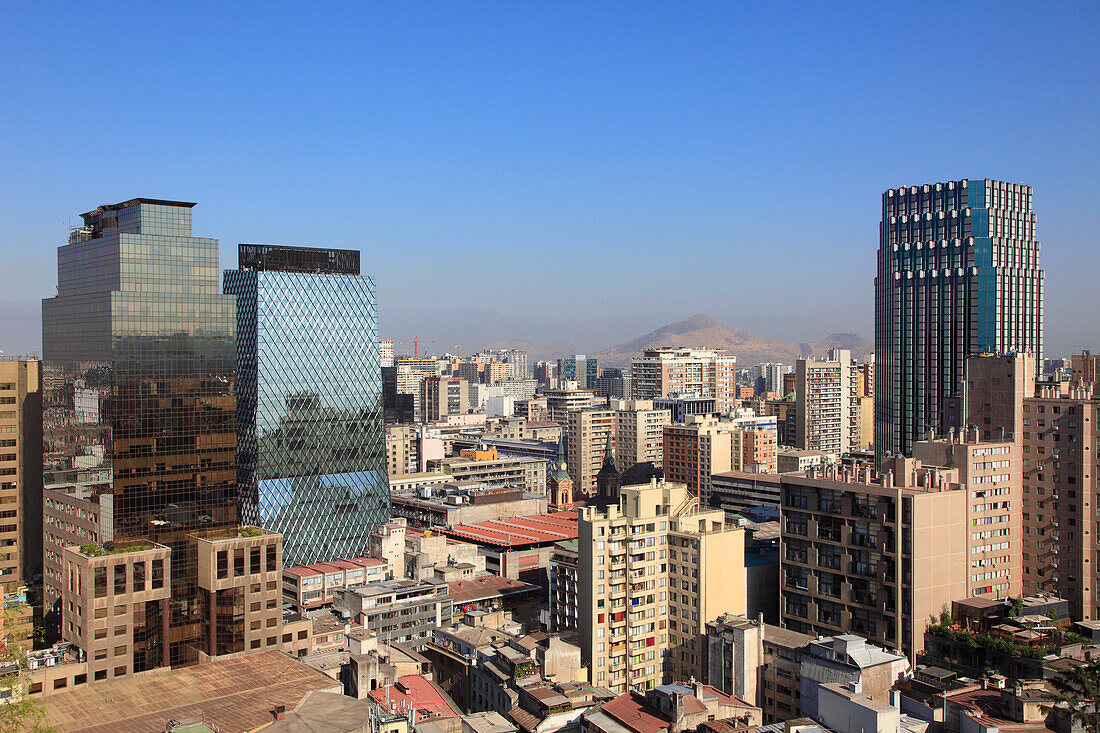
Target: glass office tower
{"points": [[958, 274], [139, 404], [312, 457]]}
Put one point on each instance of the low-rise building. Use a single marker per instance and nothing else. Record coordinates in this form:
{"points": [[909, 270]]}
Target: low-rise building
{"points": [[671, 708], [735, 491], [800, 460], [519, 547], [454, 503], [402, 611], [307, 587]]}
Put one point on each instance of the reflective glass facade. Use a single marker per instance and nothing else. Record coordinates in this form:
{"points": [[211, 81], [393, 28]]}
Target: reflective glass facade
{"points": [[958, 274], [311, 462], [139, 400]]}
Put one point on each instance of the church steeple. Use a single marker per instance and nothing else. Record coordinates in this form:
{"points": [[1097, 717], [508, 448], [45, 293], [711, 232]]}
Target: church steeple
{"points": [[559, 485], [608, 479]]}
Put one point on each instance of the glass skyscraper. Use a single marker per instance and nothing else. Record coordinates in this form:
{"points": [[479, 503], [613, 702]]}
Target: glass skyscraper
{"points": [[958, 274], [312, 458], [139, 405]]}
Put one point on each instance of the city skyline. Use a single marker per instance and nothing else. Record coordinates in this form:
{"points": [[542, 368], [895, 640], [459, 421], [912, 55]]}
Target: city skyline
{"points": [[619, 140]]}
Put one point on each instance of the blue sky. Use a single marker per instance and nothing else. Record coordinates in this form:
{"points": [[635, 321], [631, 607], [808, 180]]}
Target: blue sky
{"points": [[587, 158]]}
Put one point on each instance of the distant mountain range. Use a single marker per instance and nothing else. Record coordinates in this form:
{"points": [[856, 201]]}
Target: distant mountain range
{"points": [[701, 330]]}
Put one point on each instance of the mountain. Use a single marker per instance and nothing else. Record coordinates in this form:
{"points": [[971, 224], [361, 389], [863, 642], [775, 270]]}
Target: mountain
{"points": [[750, 349]]}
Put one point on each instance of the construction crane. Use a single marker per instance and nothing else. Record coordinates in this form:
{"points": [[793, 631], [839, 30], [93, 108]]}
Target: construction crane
{"points": [[459, 348], [416, 344]]}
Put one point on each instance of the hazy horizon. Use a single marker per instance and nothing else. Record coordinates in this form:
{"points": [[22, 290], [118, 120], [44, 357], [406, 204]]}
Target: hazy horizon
{"points": [[571, 162]]}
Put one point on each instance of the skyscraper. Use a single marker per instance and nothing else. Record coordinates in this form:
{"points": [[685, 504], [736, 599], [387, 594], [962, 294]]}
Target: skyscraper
{"points": [[139, 405], [958, 274], [312, 455]]}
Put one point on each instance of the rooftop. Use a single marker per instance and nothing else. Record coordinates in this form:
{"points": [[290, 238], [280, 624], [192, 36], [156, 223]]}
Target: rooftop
{"points": [[235, 694], [487, 586], [419, 693], [535, 529]]}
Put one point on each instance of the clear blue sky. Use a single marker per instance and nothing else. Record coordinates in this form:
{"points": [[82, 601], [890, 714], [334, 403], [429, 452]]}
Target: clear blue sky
{"points": [[587, 158]]}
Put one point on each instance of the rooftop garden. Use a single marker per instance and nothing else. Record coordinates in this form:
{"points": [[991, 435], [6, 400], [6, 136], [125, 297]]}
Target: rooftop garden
{"points": [[250, 531], [94, 549], [986, 641]]}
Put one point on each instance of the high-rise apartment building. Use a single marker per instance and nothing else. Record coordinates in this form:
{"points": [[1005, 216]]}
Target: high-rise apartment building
{"points": [[768, 377], [560, 402], [1060, 441], [958, 274], [20, 474], [311, 454], [613, 382], [385, 352], [880, 557], [828, 405], [139, 412], [442, 396], [668, 371], [634, 427], [653, 569], [706, 444]]}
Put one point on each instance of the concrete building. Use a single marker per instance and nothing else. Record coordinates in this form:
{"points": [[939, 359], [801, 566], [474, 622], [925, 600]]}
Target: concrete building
{"points": [[768, 378], [1054, 423], [668, 371], [798, 460], [490, 469], [565, 399], [734, 491], [757, 662], [827, 397], [307, 587], [613, 382], [879, 558], [958, 274], [846, 660], [652, 571], [397, 611], [419, 554], [564, 585], [706, 444], [681, 406], [451, 504], [20, 477], [634, 429], [671, 708], [442, 396]]}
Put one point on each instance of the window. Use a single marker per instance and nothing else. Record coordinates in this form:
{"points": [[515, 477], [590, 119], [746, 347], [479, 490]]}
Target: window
{"points": [[101, 675], [254, 561], [223, 564], [158, 573], [271, 558], [120, 579]]}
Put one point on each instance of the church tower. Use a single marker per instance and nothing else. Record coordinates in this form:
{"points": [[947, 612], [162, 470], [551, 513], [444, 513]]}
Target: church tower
{"points": [[609, 478], [559, 485]]}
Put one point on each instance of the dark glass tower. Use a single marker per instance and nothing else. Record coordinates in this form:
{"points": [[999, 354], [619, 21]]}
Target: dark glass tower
{"points": [[312, 456], [958, 274], [139, 401]]}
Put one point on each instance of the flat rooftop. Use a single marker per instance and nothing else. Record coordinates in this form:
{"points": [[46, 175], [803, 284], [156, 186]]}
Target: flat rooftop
{"points": [[234, 694]]}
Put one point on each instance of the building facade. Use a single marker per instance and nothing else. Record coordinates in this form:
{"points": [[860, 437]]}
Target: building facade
{"points": [[20, 475], [958, 274], [139, 404], [669, 371], [828, 405], [706, 444], [652, 571], [310, 430]]}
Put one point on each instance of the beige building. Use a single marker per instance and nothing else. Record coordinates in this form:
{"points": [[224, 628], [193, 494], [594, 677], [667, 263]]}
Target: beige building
{"points": [[653, 570], [490, 469], [1055, 425], [706, 444], [827, 411], [110, 596], [880, 558], [20, 474], [442, 396], [560, 402], [669, 370], [635, 430]]}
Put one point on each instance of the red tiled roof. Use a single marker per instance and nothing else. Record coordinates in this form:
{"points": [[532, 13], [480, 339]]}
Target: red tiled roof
{"points": [[519, 531], [630, 710], [320, 568], [421, 693]]}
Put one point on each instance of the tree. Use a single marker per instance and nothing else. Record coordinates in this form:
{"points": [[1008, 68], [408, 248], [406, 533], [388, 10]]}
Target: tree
{"points": [[1077, 694], [18, 710]]}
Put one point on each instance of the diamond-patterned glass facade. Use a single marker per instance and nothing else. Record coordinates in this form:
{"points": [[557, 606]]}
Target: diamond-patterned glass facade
{"points": [[311, 460]]}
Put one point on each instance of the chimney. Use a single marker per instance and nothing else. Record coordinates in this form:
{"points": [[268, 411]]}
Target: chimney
{"points": [[278, 712], [951, 435], [888, 480], [974, 435]]}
